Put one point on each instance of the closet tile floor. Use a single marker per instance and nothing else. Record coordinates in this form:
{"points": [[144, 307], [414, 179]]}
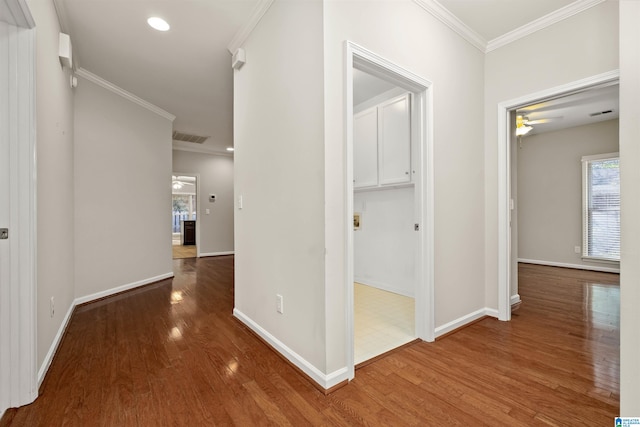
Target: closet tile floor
{"points": [[383, 321]]}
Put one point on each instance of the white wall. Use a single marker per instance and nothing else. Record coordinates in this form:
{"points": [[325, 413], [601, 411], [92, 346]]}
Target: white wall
{"points": [[122, 183], [55, 185], [216, 177], [405, 34], [630, 198], [385, 245], [549, 198], [582, 46], [279, 172]]}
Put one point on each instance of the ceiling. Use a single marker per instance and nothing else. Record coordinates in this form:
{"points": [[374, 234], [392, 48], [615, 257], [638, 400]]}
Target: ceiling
{"points": [[587, 107], [494, 18], [187, 72]]}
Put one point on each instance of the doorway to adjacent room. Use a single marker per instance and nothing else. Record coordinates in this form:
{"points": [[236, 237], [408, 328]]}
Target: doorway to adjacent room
{"points": [[184, 203]]}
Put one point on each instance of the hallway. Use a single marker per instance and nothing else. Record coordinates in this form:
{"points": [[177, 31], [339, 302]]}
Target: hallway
{"points": [[172, 354]]}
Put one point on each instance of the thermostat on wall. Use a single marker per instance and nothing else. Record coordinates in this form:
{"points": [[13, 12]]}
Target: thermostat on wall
{"points": [[212, 197]]}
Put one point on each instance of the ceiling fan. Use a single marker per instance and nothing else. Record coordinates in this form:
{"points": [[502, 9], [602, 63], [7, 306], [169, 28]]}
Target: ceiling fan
{"points": [[177, 182], [524, 125]]}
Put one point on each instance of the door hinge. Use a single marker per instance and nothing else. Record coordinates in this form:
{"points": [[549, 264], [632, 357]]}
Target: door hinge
{"points": [[4, 233]]}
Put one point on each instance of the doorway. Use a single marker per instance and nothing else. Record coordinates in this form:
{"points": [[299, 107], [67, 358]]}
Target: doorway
{"points": [[414, 186], [184, 218], [507, 231]]}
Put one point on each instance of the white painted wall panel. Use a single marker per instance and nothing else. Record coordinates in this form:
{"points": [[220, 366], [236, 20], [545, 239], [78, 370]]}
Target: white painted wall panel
{"points": [[384, 246], [279, 172], [55, 184], [122, 186], [630, 196], [549, 198]]}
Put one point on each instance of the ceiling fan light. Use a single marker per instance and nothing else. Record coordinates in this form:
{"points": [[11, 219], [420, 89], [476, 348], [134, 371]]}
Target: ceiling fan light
{"points": [[523, 130]]}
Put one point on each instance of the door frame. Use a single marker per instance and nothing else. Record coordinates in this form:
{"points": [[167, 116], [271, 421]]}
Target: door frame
{"points": [[198, 205], [421, 131], [18, 324], [504, 173]]}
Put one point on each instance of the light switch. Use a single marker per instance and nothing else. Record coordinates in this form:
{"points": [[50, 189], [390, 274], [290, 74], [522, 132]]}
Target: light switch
{"points": [[207, 211], [239, 202]]}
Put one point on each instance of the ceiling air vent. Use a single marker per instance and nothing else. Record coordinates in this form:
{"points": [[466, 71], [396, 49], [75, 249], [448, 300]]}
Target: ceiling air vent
{"points": [[600, 113], [180, 136]]}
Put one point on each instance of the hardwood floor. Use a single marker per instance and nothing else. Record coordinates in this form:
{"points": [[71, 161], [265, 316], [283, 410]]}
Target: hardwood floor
{"points": [[180, 251], [172, 354]]}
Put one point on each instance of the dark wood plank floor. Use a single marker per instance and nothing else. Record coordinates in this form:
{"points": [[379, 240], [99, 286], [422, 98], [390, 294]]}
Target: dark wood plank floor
{"points": [[172, 354]]}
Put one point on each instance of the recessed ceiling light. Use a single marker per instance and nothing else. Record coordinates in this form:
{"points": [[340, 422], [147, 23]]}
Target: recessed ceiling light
{"points": [[158, 23], [229, 148]]}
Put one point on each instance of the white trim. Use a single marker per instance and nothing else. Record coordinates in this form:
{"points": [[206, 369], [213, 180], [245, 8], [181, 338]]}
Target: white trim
{"points": [[19, 14], [515, 299], [383, 286], [326, 381], [422, 109], [191, 147], [476, 40], [567, 265], [118, 289], [217, 253], [88, 75], [450, 20], [46, 363], [464, 320], [541, 23], [605, 156], [243, 34], [504, 172]]}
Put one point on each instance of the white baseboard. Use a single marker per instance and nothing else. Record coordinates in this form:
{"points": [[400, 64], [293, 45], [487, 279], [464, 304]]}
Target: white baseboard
{"points": [[515, 299], [216, 253], [383, 286], [113, 291], [54, 345], [462, 321], [326, 381], [81, 300], [566, 265], [491, 312]]}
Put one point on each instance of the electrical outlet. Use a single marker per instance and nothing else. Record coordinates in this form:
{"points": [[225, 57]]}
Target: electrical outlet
{"points": [[279, 304], [576, 249], [52, 306]]}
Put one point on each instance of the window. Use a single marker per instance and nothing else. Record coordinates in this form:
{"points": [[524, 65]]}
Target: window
{"points": [[601, 207]]}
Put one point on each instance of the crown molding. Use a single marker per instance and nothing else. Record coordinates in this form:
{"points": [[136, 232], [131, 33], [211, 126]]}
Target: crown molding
{"points": [[18, 14], [452, 21], [543, 22], [88, 75], [243, 34], [181, 146]]}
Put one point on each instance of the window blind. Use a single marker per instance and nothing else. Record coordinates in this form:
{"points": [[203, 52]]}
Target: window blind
{"points": [[601, 207]]}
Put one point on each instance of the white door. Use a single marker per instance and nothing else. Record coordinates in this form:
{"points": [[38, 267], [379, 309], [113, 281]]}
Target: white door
{"points": [[4, 218], [18, 371]]}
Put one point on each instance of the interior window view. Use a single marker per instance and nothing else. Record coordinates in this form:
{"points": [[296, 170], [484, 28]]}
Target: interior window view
{"points": [[183, 214], [382, 213]]}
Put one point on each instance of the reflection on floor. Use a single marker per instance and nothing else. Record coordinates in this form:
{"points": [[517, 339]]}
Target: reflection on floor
{"points": [[383, 321], [180, 251]]}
